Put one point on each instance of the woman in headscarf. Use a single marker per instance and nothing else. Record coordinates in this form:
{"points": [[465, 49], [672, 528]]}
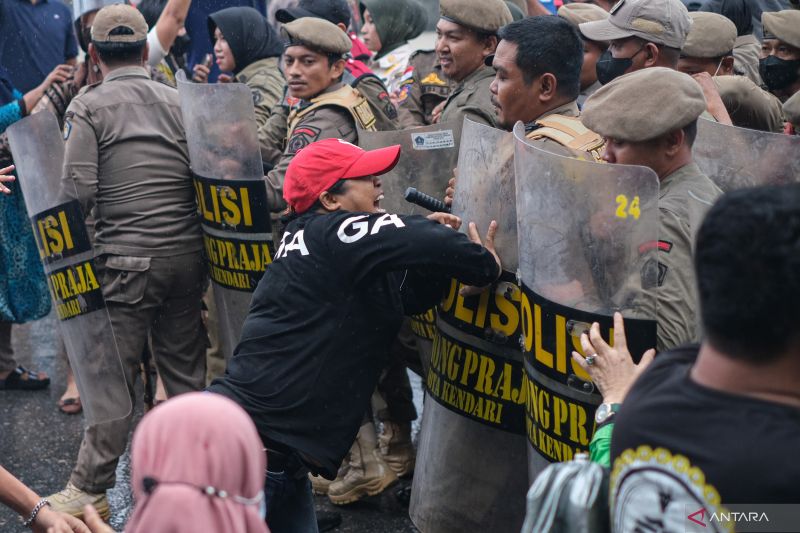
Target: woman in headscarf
{"points": [[23, 287], [388, 26], [246, 46], [197, 464]]}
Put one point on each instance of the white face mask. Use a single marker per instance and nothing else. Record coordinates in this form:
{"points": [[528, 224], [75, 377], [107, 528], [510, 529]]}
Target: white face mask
{"points": [[718, 67]]}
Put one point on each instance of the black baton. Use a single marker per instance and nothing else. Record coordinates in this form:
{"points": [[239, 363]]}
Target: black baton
{"points": [[424, 200]]}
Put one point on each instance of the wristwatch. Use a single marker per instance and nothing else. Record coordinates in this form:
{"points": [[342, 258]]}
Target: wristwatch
{"points": [[605, 412]]}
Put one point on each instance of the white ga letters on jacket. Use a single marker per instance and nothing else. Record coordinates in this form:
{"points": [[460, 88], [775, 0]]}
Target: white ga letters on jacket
{"points": [[361, 227], [351, 230]]}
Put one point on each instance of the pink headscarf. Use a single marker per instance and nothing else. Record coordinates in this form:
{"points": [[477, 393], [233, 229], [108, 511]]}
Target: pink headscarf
{"points": [[191, 442]]}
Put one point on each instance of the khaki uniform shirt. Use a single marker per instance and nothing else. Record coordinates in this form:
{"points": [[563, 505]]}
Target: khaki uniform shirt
{"points": [[749, 105], [746, 52], [423, 88], [472, 98], [326, 122], [272, 136], [587, 92], [126, 154], [684, 198], [266, 82]]}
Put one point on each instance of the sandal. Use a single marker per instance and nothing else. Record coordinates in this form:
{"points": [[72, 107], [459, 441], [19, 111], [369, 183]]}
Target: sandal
{"points": [[23, 379], [70, 406]]}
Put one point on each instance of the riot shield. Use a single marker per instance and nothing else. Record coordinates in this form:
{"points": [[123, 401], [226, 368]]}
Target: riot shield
{"points": [[65, 249], [470, 473], [231, 194], [588, 239], [427, 159], [737, 157]]}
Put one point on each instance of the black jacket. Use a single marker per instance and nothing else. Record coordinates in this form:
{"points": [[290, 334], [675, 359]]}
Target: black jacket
{"points": [[324, 315]]}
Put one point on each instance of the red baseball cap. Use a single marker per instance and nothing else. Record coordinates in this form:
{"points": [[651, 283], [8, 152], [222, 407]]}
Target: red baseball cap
{"points": [[316, 167]]}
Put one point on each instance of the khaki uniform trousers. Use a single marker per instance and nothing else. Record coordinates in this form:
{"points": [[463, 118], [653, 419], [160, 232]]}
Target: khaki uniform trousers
{"points": [[148, 297]]}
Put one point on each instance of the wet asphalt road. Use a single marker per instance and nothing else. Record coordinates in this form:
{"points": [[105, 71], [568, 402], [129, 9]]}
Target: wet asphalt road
{"points": [[39, 444]]}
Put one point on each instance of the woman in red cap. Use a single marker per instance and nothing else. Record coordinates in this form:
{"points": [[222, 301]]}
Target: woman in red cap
{"points": [[327, 309]]}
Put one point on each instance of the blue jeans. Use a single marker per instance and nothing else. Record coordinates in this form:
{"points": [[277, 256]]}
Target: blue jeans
{"points": [[290, 504]]}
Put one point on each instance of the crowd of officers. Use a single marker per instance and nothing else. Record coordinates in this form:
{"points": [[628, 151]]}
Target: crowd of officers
{"points": [[625, 86]]}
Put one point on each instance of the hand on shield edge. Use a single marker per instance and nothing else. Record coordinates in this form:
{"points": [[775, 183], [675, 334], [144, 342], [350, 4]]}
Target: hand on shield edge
{"points": [[200, 74], [5, 177], [489, 245], [450, 192], [447, 219], [612, 369]]}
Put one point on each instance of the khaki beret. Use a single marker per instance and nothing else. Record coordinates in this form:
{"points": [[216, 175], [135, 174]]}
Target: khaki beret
{"points": [[318, 34], [664, 22], [791, 108], [485, 16], [782, 25], [644, 104], [711, 35], [119, 16], [579, 13]]}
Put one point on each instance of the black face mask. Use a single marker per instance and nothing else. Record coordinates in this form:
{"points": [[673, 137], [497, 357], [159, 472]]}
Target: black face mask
{"points": [[181, 45], [609, 67], [778, 73]]}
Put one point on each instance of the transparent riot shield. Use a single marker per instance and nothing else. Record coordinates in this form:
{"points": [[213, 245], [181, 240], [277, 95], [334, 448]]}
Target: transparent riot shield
{"points": [[737, 157], [65, 249], [427, 159], [470, 473], [231, 194], [588, 239], [485, 185]]}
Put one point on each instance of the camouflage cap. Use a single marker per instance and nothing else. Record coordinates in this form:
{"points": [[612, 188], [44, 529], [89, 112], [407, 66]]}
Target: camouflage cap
{"points": [[644, 104], [664, 22], [782, 25], [711, 35], [577, 14], [318, 34], [119, 16], [485, 16], [791, 109]]}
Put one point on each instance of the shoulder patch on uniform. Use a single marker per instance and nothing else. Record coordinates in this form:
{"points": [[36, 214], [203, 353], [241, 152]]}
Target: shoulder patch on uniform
{"points": [[662, 246], [403, 92], [302, 137], [432, 79], [388, 106], [408, 75], [662, 273], [650, 274]]}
